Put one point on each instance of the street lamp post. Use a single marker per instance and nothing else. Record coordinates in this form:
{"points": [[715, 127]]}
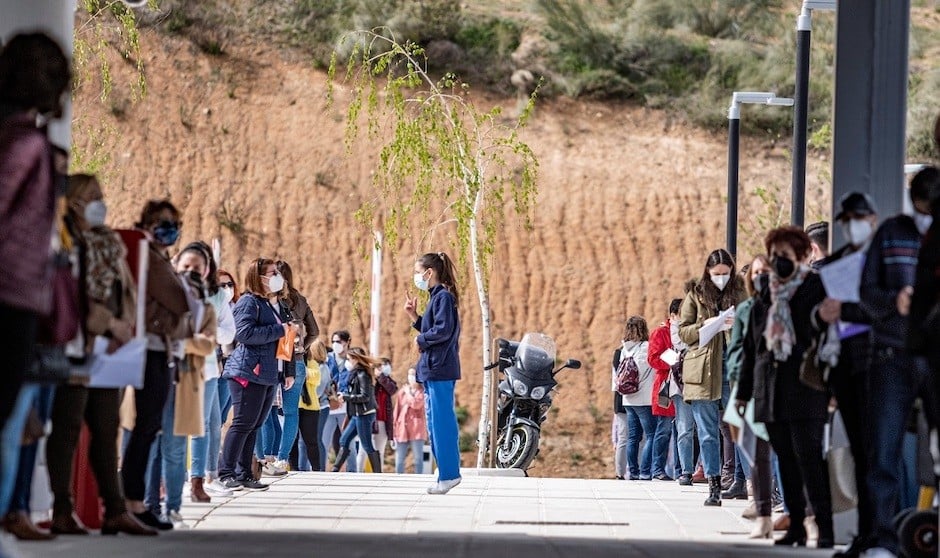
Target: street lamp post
{"points": [[804, 29], [734, 135]]}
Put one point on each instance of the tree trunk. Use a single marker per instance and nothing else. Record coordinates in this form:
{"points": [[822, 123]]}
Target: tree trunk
{"points": [[483, 432]]}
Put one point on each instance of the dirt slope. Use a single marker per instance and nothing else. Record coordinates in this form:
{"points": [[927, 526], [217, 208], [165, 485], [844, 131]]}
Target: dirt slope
{"points": [[630, 203]]}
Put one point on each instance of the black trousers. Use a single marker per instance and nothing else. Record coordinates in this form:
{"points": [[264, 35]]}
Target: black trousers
{"points": [[762, 476], [848, 383], [149, 403], [798, 444], [99, 410], [310, 434], [251, 405], [18, 330]]}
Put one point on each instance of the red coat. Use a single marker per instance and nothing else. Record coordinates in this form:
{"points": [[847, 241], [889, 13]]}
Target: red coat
{"points": [[660, 340]]}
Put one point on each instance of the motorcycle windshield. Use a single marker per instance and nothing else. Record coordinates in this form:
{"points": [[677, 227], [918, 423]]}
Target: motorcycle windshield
{"points": [[536, 355]]}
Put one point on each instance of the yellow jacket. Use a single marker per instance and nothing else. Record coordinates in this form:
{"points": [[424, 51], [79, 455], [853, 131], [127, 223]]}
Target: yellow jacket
{"points": [[312, 382]]}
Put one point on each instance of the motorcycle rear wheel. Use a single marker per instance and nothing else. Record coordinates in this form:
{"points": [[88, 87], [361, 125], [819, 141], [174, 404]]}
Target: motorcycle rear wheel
{"points": [[523, 447]]}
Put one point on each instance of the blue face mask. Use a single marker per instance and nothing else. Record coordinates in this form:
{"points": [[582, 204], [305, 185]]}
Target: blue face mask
{"points": [[421, 282], [166, 233]]}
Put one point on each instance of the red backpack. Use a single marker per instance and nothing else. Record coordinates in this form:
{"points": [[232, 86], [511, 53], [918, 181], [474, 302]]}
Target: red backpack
{"points": [[628, 376]]}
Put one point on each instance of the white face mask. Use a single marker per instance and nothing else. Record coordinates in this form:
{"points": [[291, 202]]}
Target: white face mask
{"points": [[923, 222], [276, 283], [386, 369], [228, 294], [721, 281], [95, 213], [858, 231], [337, 348], [350, 365], [412, 378], [421, 282]]}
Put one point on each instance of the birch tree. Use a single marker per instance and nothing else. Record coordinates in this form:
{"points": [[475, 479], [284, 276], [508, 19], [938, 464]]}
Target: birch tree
{"points": [[438, 149]]}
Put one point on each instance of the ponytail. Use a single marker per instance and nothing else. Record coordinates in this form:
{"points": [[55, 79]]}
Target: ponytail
{"points": [[441, 263]]}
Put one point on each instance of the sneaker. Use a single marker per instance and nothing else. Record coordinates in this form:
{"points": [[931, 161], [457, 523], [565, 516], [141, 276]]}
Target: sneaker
{"points": [[662, 477], [254, 485], [443, 487], [685, 479], [176, 519], [216, 488], [231, 483], [272, 470], [878, 552], [282, 465], [150, 519]]}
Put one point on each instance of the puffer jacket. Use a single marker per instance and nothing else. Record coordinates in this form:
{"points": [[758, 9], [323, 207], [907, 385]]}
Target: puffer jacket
{"points": [[361, 394], [257, 331]]}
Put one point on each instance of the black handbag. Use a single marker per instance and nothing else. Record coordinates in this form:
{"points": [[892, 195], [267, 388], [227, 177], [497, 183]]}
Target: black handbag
{"points": [[50, 366]]}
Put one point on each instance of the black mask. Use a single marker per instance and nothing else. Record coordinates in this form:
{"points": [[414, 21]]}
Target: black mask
{"points": [[196, 281], [761, 282], [783, 266]]}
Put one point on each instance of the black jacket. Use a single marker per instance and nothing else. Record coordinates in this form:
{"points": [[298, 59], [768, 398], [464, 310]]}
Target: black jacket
{"points": [[361, 395], [854, 353], [778, 393], [925, 304]]}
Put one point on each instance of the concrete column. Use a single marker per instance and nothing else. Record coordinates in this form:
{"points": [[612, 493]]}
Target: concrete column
{"points": [[55, 18], [870, 103]]}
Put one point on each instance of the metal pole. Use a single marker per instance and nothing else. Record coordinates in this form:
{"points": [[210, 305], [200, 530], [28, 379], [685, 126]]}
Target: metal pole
{"points": [[734, 131], [375, 309], [800, 110]]}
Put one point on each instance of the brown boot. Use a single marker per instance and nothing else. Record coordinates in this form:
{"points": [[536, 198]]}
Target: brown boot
{"points": [[782, 523], [699, 475], [197, 492], [21, 526], [255, 469], [125, 523], [67, 525]]}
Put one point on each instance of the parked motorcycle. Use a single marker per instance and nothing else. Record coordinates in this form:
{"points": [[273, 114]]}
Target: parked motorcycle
{"points": [[525, 396]]}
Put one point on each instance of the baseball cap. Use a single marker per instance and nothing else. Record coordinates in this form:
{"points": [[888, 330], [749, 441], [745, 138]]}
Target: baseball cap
{"points": [[857, 203]]}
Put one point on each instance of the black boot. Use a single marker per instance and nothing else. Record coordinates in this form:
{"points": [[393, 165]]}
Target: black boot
{"points": [[375, 460], [737, 491], [714, 492], [827, 537], [795, 535], [340, 459]]}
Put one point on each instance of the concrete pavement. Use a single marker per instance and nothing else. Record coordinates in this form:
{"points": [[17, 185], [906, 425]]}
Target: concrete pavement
{"points": [[388, 515]]}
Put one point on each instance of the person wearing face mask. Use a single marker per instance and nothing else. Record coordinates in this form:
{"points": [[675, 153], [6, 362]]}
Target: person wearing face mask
{"points": [[385, 390], [183, 413], [664, 417], [338, 415], [847, 380], [703, 368], [757, 279], [784, 320], [360, 397], [110, 296], [439, 363], [205, 449], [410, 428], [896, 376], [169, 321], [638, 405], [253, 371]]}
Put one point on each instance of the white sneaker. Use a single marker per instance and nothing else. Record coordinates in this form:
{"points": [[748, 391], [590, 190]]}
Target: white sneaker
{"points": [[282, 465], [878, 552], [272, 470], [443, 487], [216, 488], [176, 519]]}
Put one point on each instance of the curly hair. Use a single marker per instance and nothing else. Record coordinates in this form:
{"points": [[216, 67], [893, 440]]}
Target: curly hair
{"points": [[795, 237], [636, 329]]}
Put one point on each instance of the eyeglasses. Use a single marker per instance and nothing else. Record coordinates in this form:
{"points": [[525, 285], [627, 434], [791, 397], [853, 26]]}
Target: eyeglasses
{"points": [[229, 285]]}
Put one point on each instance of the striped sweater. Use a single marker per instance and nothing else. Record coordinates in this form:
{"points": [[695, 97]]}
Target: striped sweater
{"points": [[889, 267]]}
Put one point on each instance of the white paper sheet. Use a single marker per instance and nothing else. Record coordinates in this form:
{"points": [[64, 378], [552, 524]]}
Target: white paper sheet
{"points": [[669, 356], [842, 277], [713, 326]]}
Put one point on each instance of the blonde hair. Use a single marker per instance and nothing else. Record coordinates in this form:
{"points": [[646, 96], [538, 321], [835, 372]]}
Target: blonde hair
{"points": [[318, 351]]}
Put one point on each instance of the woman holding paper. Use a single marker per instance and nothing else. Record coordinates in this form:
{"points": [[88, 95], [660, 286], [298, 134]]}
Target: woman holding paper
{"points": [[112, 303], [781, 327], [706, 316]]}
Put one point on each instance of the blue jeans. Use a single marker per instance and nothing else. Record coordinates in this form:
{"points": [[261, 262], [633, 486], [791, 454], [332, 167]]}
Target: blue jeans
{"points": [[706, 420], [269, 436], [442, 428], [640, 424], [291, 406], [895, 380], [205, 449], [10, 441], [662, 433], [685, 435], [417, 452], [334, 422], [40, 397], [173, 450], [362, 426]]}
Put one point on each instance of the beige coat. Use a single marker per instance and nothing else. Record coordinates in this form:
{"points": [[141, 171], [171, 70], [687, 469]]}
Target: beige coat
{"points": [[188, 415], [702, 366]]}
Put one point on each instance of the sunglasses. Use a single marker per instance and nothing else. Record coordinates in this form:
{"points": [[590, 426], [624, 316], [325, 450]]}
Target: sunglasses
{"points": [[229, 285]]}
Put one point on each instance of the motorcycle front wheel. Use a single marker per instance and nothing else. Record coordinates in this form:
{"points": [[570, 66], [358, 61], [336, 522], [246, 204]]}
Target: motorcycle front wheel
{"points": [[522, 447]]}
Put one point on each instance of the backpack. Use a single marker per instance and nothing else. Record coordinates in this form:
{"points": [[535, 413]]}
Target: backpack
{"points": [[628, 376]]}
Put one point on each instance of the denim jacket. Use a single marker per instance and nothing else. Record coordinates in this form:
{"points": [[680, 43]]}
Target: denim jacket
{"points": [[439, 339], [257, 331]]}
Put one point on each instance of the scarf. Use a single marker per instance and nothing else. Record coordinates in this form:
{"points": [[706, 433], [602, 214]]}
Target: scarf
{"points": [[104, 255], [779, 332]]}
